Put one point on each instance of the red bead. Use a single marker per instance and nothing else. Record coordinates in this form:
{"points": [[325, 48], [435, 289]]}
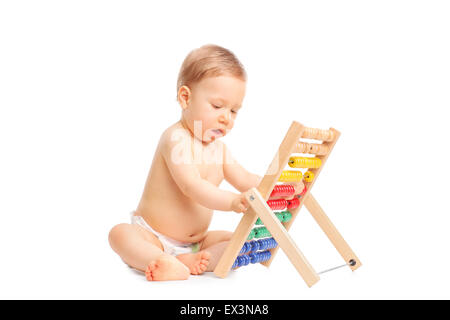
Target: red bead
{"points": [[294, 203], [282, 190], [304, 191], [278, 204]]}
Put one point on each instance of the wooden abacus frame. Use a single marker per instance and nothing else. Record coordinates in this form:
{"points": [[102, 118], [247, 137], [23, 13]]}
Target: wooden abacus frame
{"points": [[258, 197]]}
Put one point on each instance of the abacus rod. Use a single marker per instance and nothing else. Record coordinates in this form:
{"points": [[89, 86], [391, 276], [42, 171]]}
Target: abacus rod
{"points": [[331, 269]]}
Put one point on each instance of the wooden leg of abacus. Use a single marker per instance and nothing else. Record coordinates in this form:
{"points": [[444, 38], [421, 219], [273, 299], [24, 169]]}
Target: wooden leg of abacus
{"points": [[332, 233], [282, 237], [236, 242]]}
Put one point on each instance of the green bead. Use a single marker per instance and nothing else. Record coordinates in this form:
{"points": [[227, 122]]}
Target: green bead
{"points": [[251, 235], [261, 232], [280, 216], [287, 216], [259, 222]]}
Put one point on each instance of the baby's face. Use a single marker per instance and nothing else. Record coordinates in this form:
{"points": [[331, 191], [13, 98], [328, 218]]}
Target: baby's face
{"points": [[213, 106]]}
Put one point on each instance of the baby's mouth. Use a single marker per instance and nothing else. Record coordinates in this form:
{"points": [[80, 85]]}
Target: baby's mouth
{"points": [[217, 132]]}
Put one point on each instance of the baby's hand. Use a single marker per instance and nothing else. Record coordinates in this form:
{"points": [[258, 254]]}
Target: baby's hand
{"points": [[298, 187], [239, 203]]}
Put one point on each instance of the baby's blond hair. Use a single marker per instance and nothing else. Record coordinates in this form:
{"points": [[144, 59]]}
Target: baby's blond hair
{"points": [[209, 61]]}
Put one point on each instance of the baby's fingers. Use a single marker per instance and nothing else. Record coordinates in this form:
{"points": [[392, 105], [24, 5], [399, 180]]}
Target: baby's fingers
{"points": [[244, 205], [298, 187]]}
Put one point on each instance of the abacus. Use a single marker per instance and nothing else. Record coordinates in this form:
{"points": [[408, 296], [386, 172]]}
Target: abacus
{"points": [[262, 231]]}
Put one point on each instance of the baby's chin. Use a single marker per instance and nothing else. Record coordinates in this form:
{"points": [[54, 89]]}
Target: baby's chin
{"points": [[212, 134]]}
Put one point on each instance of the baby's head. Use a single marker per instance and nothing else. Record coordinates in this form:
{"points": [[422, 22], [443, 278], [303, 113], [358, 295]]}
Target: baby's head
{"points": [[210, 90]]}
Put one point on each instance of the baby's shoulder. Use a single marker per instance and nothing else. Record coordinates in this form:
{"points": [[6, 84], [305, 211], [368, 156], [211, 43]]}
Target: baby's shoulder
{"points": [[175, 132], [174, 136]]}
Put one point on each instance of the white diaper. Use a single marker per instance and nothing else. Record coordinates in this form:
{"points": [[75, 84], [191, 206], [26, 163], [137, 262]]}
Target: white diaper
{"points": [[171, 246]]}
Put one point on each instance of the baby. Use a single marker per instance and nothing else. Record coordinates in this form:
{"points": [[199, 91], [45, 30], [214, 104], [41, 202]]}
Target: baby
{"points": [[168, 237]]}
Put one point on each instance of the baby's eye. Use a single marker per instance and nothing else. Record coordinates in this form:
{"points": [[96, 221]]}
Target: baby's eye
{"points": [[217, 107], [234, 111]]}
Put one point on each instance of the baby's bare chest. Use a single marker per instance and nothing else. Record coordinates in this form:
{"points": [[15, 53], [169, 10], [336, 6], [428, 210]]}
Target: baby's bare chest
{"points": [[211, 172], [210, 163]]}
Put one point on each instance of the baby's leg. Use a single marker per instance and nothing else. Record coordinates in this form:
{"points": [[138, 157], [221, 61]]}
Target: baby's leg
{"points": [[196, 262], [140, 249], [215, 243], [210, 252]]}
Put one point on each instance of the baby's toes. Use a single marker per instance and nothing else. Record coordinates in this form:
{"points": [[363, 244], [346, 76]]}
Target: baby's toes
{"points": [[203, 262], [195, 270], [205, 256], [202, 267], [149, 271]]}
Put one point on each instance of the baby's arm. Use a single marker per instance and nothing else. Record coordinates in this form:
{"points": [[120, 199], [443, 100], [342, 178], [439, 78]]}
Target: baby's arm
{"points": [[236, 175], [243, 180], [187, 177]]}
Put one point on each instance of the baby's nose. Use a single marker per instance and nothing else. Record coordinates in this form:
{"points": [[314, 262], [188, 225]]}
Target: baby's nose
{"points": [[225, 117]]}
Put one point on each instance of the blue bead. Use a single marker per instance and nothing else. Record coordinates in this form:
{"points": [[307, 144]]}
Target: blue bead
{"points": [[261, 257], [253, 257], [255, 245]]}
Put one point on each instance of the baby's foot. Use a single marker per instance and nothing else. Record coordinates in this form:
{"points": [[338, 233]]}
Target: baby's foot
{"points": [[166, 268], [196, 262]]}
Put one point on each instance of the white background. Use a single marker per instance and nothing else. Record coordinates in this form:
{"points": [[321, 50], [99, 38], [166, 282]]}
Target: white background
{"points": [[87, 87]]}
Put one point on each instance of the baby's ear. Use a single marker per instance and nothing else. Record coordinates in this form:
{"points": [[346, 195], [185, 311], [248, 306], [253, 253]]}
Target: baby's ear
{"points": [[184, 96]]}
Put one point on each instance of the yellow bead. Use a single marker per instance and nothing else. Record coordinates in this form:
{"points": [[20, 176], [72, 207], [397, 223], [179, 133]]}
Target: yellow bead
{"points": [[290, 176], [309, 176], [304, 162]]}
